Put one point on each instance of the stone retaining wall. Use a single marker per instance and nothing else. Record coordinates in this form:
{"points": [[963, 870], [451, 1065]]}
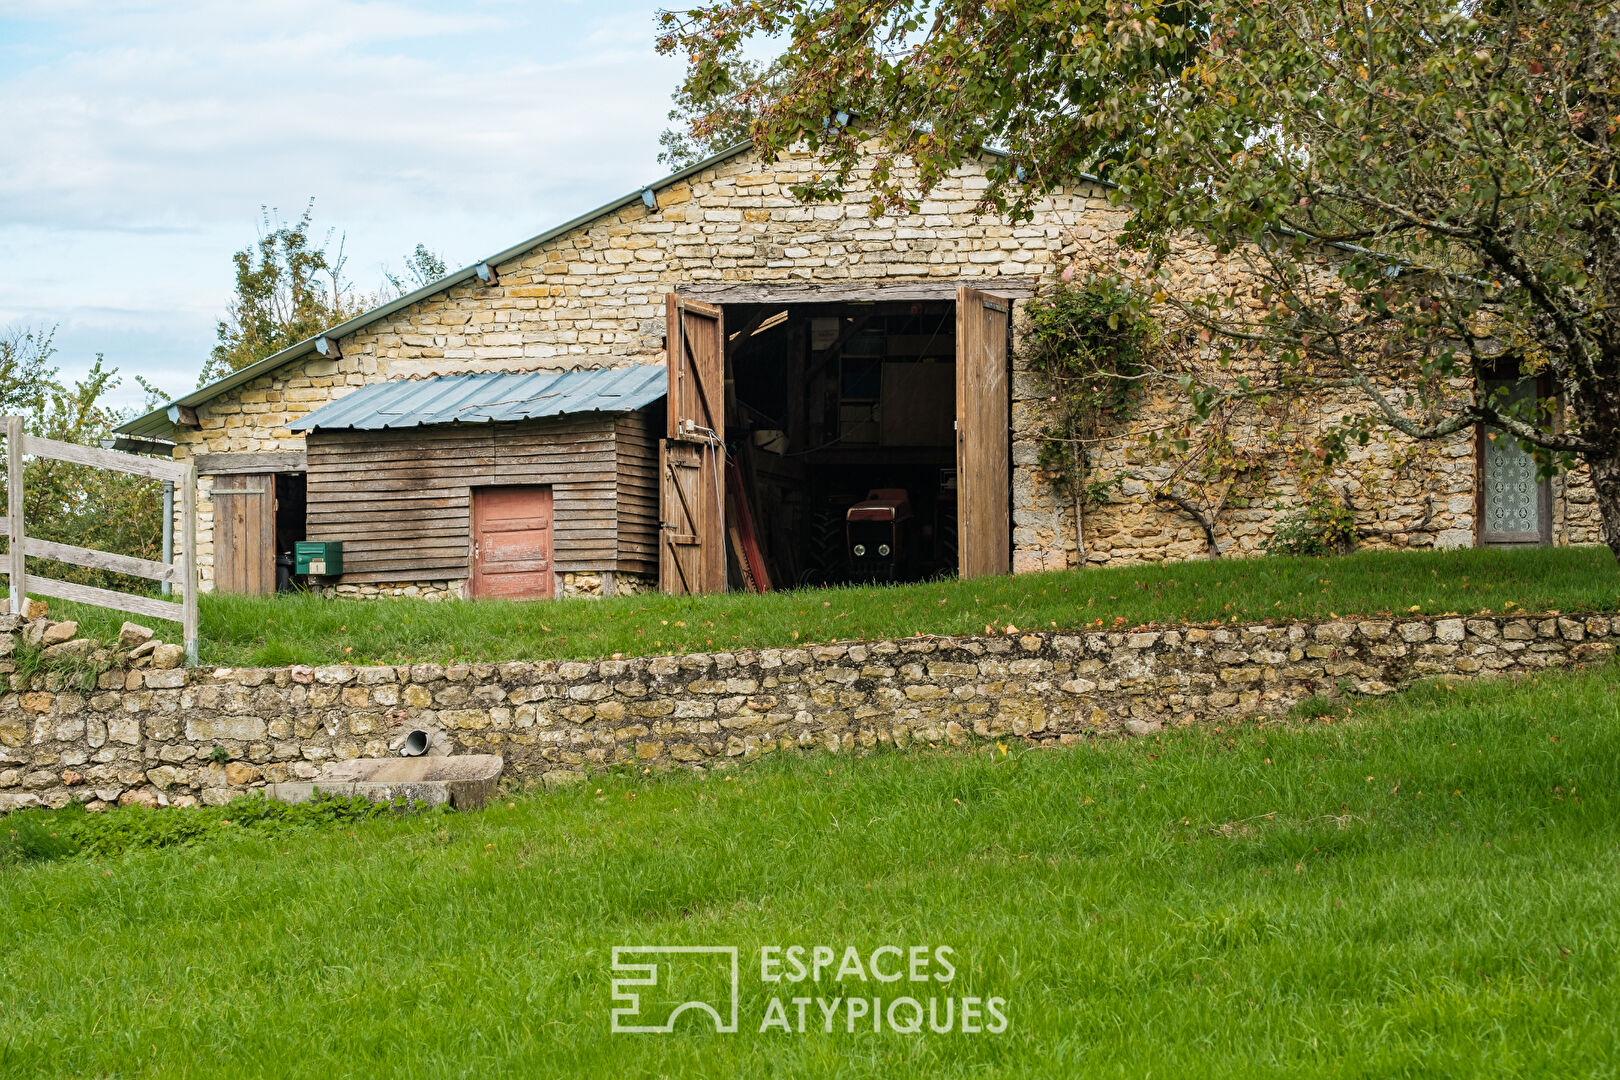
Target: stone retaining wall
{"points": [[153, 736], [576, 583]]}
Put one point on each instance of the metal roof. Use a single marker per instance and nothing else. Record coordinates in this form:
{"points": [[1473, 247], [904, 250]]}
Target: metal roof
{"points": [[488, 397], [156, 422]]}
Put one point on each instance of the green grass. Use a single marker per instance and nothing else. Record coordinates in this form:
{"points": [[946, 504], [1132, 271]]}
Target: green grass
{"points": [[241, 631], [1428, 888]]}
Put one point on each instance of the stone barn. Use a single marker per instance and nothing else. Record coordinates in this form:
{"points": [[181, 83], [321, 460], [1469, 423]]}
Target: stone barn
{"points": [[806, 360]]}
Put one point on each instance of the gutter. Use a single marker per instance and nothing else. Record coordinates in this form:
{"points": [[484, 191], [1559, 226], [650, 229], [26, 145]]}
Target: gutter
{"points": [[157, 421]]}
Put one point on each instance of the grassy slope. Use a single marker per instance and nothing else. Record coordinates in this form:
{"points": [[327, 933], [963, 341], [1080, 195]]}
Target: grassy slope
{"points": [[302, 629], [1427, 889]]}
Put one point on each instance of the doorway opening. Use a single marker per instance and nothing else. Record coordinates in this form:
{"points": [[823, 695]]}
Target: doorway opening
{"points": [[840, 420], [291, 500], [825, 441], [1513, 502]]}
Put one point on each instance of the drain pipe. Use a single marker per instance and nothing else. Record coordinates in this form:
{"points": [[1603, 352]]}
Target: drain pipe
{"points": [[168, 529]]}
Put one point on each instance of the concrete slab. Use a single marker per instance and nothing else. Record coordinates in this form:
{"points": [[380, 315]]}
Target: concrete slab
{"points": [[465, 781]]}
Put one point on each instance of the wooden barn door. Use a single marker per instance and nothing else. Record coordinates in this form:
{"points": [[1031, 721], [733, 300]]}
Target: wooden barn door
{"points": [[245, 534], [691, 552], [511, 543], [983, 435]]}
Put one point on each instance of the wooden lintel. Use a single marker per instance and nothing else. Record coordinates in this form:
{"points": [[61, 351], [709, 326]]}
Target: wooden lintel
{"points": [[278, 461], [845, 292]]}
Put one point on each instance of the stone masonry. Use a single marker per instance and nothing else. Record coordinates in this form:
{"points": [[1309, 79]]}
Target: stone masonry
{"points": [[595, 296], [172, 736]]}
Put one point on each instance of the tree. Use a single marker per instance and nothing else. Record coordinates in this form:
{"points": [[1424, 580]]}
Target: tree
{"points": [[25, 369], [718, 114], [422, 267], [1423, 193], [288, 289], [77, 504]]}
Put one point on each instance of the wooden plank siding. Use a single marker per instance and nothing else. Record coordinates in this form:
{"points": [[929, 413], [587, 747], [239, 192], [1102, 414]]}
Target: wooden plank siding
{"points": [[401, 500], [637, 485]]}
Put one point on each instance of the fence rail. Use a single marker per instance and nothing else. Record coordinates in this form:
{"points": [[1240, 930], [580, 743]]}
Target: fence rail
{"points": [[182, 571]]}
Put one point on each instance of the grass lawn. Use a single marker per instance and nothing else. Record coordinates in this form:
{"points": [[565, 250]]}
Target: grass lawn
{"points": [[240, 631], [1426, 888]]}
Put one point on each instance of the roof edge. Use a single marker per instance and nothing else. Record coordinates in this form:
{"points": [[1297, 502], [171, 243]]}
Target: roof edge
{"points": [[158, 420]]}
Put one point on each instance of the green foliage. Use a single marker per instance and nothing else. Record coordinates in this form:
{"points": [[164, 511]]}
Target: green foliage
{"points": [[288, 289], [707, 120], [77, 504], [1324, 525], [1420, 193], [1424, 887], [46, 834], [251, 631], [422, 267], [1088, 344], [25, 370]]}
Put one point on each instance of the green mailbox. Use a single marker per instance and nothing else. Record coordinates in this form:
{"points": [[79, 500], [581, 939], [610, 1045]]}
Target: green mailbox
{"points": [[322, 558]]}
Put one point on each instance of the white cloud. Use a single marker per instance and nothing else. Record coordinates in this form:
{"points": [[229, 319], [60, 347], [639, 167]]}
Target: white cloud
{"points": [[142, 138]]}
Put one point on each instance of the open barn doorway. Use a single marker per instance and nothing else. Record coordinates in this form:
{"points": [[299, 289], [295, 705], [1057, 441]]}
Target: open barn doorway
{"points": [[842, 421], [834, 442]]}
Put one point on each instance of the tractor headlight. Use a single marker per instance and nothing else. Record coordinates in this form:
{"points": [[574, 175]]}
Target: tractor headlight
{"points": [[859, 549], [883, 549]]}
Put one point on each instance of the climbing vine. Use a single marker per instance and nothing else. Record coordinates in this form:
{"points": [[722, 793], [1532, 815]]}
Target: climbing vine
{"points": [[1088, 344]]}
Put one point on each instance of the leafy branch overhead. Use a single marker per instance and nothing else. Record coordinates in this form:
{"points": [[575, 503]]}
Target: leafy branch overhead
{"points": [[1409, 198], [291, 286]]}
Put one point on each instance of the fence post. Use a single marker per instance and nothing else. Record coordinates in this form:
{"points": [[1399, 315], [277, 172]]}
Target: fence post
{"points": [[168, 529], [188, 526], [14, 513]]}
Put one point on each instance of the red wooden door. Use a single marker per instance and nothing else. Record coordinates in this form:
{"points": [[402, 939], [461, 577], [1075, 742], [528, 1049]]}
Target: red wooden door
{"points": [[511, 556]]}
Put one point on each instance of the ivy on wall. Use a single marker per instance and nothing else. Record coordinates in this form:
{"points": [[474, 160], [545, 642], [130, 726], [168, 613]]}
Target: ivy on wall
{"points": [[1098, 353], [1088, 343]]}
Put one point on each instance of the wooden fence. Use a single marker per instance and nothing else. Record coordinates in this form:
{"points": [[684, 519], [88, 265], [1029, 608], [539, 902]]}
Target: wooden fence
{"points": [[182, 571]]}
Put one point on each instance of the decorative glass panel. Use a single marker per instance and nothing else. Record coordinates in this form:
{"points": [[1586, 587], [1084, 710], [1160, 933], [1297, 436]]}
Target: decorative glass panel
{"points": [[1512, 492]]}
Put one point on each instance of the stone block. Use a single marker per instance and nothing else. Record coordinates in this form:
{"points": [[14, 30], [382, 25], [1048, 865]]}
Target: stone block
{"points": [[132, 634], [212, 728], [465, 781]]}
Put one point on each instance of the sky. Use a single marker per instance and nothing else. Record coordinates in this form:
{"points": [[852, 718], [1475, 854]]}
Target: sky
{"points": [[140, 141]]}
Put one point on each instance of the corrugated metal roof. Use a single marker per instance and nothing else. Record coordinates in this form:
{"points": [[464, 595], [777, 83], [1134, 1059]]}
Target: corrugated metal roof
{"points": [[156, 422], [488, 397]]}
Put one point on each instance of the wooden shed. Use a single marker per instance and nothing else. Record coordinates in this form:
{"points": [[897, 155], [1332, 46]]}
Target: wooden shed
{"points": [[509, 482]]}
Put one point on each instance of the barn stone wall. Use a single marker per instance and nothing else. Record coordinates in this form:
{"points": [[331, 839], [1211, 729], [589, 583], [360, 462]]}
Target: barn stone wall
{"points": [[595, 296], [167, 735]]}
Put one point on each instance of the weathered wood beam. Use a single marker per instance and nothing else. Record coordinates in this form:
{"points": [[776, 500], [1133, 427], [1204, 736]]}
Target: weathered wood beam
{"points": [[104, 560], [276, 461], [85, 594], [883, 291], [103, 459]]}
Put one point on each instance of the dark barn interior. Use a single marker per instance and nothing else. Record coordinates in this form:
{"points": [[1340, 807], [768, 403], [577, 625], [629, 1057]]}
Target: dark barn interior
{"points": [[831, 407]]}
